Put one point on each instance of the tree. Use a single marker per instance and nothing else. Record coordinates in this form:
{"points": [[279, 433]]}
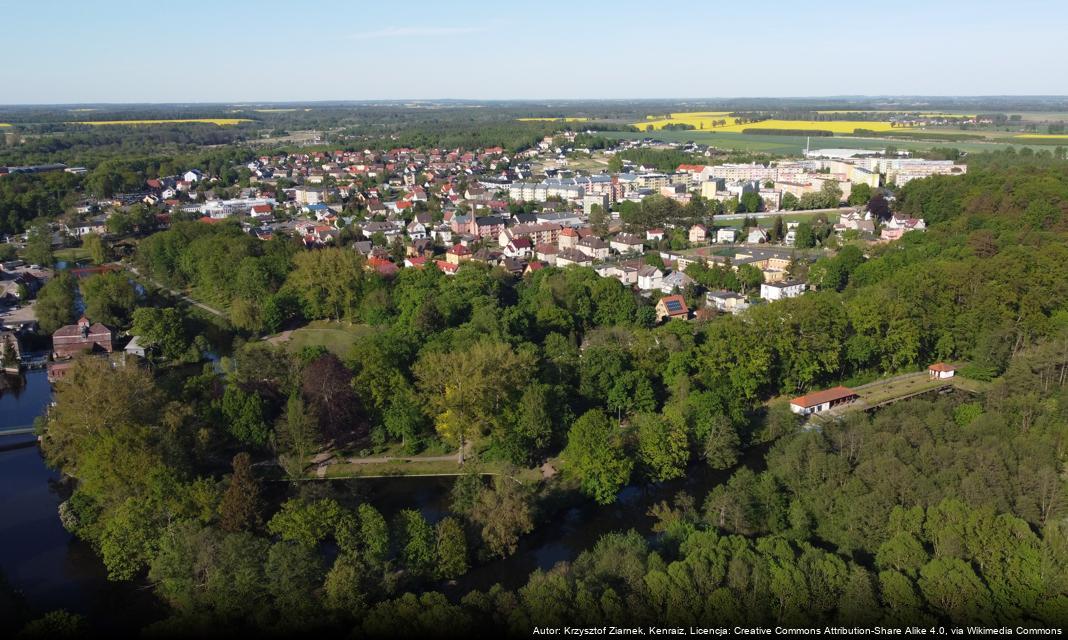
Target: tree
{"points": [[93, 402], [39, 243], [751, 202], [504, 513], [879, 207], [306, 522], [468, 391], [163, 328], [860, 194], [804, 237], [595, 454], [451, 546], [326, 384], [296, 437], [241, 506], [343, 591], [790, 202], [55, 302], [109, 298], [599, 219], [749, 277], [244, 416], [417, 544], [662, 446], [293, 572], [94, 245], [374, 533]]}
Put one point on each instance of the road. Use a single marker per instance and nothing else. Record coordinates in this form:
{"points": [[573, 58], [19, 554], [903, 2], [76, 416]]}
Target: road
{"points": [[766, 214], [177, 294]]}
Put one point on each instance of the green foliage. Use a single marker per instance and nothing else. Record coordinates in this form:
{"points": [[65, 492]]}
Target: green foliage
{"points": [[595, 455], [55, 302], [305, 522], [244, 414], [109, 299]]}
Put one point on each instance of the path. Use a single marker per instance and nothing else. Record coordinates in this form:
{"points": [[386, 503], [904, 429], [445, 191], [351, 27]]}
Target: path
{"points": [[177, 294]]}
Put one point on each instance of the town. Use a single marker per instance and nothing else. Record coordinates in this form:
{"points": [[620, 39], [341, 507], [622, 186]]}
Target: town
{"points": [[287, 349]]}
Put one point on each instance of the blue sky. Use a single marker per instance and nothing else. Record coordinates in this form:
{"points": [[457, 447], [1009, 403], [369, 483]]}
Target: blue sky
{"points": [[238, 50]]}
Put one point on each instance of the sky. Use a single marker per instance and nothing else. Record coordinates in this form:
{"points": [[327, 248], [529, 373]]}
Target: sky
{"points": [[120, 51]]}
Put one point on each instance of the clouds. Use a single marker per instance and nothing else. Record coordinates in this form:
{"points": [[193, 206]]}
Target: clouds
{"points": [[416, 32]]}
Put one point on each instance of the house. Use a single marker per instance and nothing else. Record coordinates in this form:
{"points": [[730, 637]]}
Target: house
{"points": [[649, 278], [568, 257], [675, 280], [757, 236], [82, 336], [546, 253], [457, 254], [416, 230], [779, 290], [673, 307], [261, 210], [534, 265], [568, 238], [594, 247], [941, 371], [626, 243], [193, 175], [728, 235], [822, 400], [518, 248], [698, 234], [727, 301], [654, 234], [626, 274]]}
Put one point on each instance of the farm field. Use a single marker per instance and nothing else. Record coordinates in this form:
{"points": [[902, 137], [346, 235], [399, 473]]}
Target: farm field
{"points": [[1044, 136], [697, 119], [216, 121], [4, 124], [794, 145], [837, 126]]}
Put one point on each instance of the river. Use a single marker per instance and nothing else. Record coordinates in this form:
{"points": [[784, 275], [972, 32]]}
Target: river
{"points": [[54, 570]]}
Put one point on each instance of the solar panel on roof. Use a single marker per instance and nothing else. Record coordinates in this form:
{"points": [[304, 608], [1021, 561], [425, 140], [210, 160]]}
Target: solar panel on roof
{"points": [[674, 306]]}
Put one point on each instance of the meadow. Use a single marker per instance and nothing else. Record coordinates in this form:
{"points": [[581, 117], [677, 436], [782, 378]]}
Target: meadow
{"points": [[221, 122]]}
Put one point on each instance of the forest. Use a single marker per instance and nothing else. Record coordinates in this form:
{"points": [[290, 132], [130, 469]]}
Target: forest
{"points": [[948, 509]]}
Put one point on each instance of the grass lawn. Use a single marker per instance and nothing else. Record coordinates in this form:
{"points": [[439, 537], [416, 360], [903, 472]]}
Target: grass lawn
{"points": [[335, 337], [71, 254]]}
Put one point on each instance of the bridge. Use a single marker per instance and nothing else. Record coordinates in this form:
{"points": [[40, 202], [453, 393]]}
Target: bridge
{"points": [[18, 431]]}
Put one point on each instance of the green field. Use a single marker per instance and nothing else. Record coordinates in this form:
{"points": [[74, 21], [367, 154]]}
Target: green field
{"points": [[335, 337], [795, 145]]}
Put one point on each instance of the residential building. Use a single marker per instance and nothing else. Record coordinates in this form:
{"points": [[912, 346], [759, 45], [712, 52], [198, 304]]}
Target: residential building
{"points": [[673, 307], [822, 400], [778, 290]]}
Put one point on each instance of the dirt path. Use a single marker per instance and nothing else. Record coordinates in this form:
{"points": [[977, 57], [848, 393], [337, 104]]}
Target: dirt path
{"points": [[177, 294]]}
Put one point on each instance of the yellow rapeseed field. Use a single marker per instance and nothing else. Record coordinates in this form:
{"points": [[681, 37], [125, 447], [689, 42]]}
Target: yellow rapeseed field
{"points": [[1044, 136], [699, 120], [4, 124], [216, 121], [837, 126]]}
